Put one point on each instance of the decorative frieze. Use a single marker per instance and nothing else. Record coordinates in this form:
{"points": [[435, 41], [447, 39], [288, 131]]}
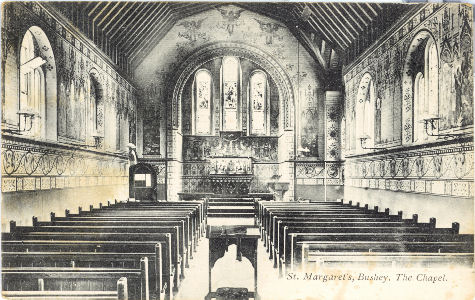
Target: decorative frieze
{"points": [[28, 166]]}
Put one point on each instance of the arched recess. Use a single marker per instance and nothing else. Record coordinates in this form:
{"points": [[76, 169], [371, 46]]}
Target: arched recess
{"points": [[259, 57], [96, 111], [414, 64], [365, 112], [47, 73]]}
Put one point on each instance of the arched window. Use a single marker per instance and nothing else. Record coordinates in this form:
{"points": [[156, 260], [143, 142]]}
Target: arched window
{"points": [[258, 104], [369, 115], [202, 103], [365, 113], [231, 91], [426, 91], [432, 81], [419, 106], [96, 104], [32, 108]]}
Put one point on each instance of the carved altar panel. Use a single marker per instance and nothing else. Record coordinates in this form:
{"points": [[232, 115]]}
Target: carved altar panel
{"points": [[231, 165]]}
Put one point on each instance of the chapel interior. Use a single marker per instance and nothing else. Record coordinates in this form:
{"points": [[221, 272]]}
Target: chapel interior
{"points": [[141, 139]]}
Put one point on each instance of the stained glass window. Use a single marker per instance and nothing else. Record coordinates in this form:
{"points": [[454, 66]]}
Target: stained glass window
{"points": [[202, 102], [230, 90], [258, 103]]}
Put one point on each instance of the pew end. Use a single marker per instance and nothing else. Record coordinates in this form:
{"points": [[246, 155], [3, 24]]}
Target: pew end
{"points": [[12, 226], [34, 221], [415, 217], [455, 227], [66, 213], [52, 216], [144, 278], [432, 222], [122, 292]]}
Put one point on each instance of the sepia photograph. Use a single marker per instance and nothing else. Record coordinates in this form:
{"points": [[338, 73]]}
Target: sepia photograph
{"points": [[199, 150]]}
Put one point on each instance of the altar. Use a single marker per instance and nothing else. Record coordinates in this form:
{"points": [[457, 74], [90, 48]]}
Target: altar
{"points": [[230, 175]]}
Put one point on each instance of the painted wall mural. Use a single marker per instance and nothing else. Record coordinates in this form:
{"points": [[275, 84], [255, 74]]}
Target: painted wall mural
{"points": [[390, 65], [230, 24], [29, 167], [440, 171], [74, 61], [151, 116], [442, 168], [202, 148]]}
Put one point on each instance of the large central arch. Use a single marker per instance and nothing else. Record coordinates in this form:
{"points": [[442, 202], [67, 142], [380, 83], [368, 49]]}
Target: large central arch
{"points": [[259, 57]]}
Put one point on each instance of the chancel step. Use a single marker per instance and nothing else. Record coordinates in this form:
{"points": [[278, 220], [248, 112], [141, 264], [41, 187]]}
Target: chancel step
{"points": [[231, 207]]}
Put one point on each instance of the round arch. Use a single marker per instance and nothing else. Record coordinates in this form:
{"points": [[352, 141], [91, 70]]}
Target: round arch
{"points": [[96, 119], [45, 51], [259, 57], [408, 76]]}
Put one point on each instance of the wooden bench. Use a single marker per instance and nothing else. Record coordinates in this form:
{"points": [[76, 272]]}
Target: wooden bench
{"points": [[185, 232], [313, 260], [178, 242], [17, 281], [161, 270], [169, 242], [375, 242]]}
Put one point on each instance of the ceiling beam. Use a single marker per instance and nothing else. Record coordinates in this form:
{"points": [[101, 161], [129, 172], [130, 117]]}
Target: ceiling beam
{"points": [[94, 8], [108, 13], [154, 32], [336, 36], [372, 9], [337, 10], [330, 11], [136, 22], [147, 24], [113, 30], [324, 36], [124, 5], [348, 14], [350, 6], [364, 11]]}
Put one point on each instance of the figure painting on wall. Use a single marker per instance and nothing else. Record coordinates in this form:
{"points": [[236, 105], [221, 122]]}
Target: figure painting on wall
{"points": [[230, 94]]}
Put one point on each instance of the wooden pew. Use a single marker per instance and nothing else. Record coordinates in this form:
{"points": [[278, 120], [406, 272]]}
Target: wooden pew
{"points": [[76, 279], [161, 276], [312, 261], [376, 242], [178, 242], [192, 236], [185, 232], [138, 213], [289, 225], [121, 293], [169, 242]]}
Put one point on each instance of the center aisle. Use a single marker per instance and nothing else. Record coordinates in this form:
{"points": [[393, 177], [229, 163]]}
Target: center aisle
{"points": [[195, 285]]}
